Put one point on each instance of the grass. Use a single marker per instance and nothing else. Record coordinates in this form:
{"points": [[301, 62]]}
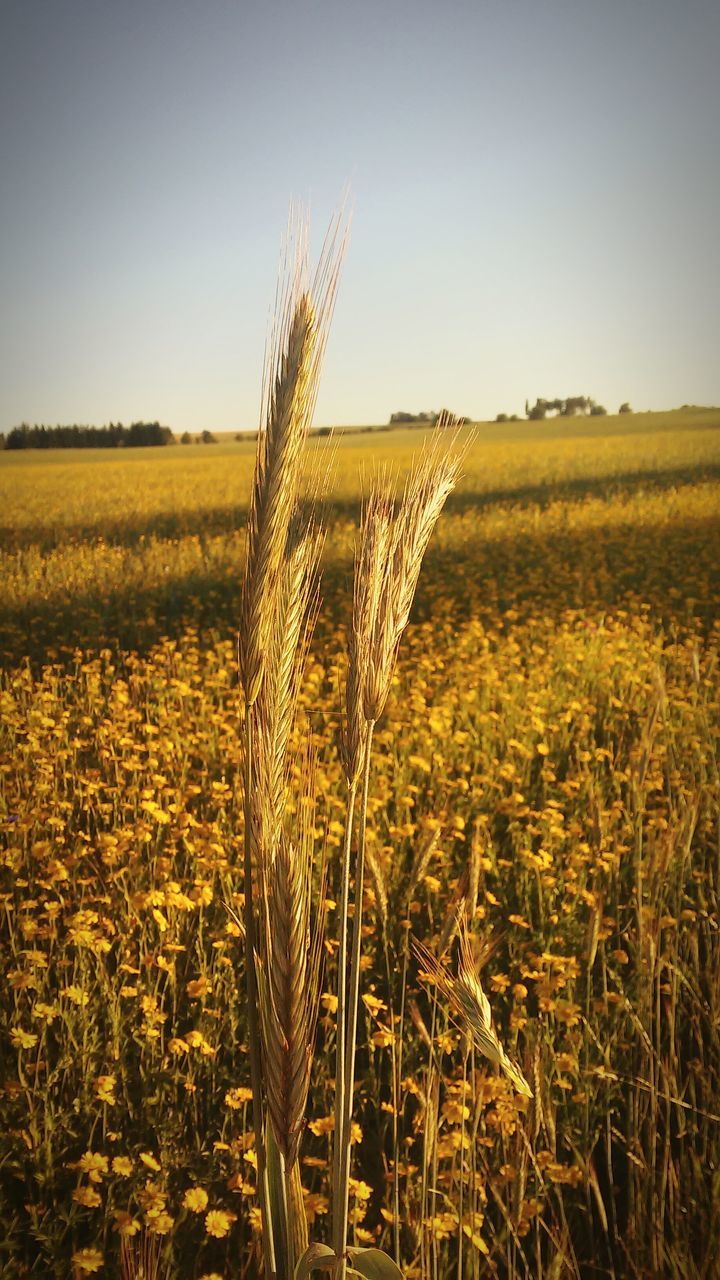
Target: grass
{"points": [[546, 763]]}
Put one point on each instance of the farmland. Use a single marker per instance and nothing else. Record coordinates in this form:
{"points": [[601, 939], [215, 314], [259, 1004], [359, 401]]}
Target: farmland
{"points": [[553, 721]]}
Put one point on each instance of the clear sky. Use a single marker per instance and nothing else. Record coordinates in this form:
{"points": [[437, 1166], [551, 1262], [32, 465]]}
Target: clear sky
{"points": [[536, 189]]}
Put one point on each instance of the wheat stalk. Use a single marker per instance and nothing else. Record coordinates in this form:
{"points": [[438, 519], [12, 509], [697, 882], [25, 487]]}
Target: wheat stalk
{"points": [[387, 566], [275, 619]]}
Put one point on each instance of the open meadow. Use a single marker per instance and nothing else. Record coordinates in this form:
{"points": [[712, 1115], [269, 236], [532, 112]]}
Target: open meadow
{"points": [[547, 766]]}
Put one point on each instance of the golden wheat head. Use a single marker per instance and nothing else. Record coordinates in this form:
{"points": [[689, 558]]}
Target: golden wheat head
{"points": [[290, 385], [470, 1006], [392, 547]]}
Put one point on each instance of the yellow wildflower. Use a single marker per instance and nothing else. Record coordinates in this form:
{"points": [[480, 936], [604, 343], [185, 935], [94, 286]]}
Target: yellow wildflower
{"points": [[105, 1089], [23, 1039], [195, 1199], [87, 1196], [94, 1165], [87, 1260], [218, 1222]]}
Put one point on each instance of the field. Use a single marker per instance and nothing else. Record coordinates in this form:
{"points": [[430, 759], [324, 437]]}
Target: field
{"points": [[554, 721]]}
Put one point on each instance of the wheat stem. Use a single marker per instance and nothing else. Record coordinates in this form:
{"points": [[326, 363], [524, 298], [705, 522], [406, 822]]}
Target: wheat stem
{"points": [[351, 1040], [253, 1024], [338, 1225]]}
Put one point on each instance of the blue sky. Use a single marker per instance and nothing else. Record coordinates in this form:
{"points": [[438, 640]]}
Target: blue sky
{"points": [[535, 185]]}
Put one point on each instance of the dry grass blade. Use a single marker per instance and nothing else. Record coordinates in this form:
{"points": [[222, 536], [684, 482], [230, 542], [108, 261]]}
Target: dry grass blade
{"points": [[469, 1004], [419, 1024]]}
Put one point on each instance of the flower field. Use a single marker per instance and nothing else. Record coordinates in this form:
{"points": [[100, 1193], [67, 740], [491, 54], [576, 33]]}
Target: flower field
{"points": [[547, 764]]}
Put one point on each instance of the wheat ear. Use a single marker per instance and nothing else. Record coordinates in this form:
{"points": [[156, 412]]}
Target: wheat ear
{"points": [[469, 1004], [371, 570], [296, 609], [290, 385]]}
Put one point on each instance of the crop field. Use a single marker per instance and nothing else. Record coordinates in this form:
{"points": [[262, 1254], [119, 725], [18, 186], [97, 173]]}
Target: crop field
{"points": [[546, 767]]}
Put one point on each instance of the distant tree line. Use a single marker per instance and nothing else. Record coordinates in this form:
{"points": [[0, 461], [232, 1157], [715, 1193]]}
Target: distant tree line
{"points": [[564, 408], [402, 418], [114, 436]]}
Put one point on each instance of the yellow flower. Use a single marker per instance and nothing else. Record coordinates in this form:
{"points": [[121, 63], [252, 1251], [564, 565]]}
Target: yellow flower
{"points": [[382, 1038], [195, 1199], [196, 1040], [199, 987], [87, 1196], [87, 1260], [122, 1166], [150, 1161], [159, 1223], [234, 1098], [46, 1011], [218, 1222], [455, 1111], [323, 1124], [373, 1004], [125, 1224], [76, 995], [152, 1198], [105, 1089], [23, 1039], [360, 1190], [315, 1204], [94, 1165]]}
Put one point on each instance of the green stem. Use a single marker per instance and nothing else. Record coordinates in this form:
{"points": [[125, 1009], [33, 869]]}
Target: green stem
{"points": [[338, 1226], [349, 1081], [397, 1077], [253, 1025], [462, 1168]]}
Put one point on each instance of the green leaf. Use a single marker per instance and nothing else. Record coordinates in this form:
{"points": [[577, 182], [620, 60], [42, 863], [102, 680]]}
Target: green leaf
{"points": [[317, 1257], [373, 1264]]}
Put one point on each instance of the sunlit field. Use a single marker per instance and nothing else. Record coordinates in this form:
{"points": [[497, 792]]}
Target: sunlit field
{"points": [[554, 722]]}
